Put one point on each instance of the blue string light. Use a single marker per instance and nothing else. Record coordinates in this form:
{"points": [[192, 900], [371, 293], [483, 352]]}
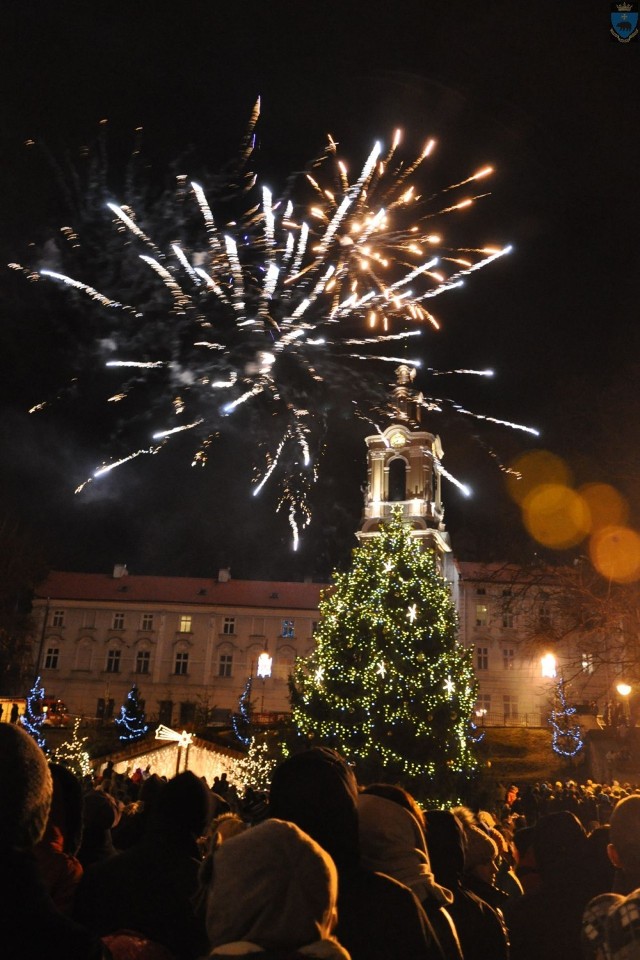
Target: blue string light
{"points": [[566, 741], [131, 723], [34, 716], [241, 721]]}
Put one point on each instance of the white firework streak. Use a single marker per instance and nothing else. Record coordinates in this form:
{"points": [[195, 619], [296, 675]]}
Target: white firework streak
{"points": [[277, 283], [502, 423]]}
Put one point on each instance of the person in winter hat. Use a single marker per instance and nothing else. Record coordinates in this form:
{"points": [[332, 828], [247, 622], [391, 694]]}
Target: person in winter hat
{"points": [[392, 841], [29, 920], [378, 918], [273, 894]]}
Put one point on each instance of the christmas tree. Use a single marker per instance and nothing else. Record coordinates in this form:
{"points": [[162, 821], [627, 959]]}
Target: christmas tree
{"points": [[131, 723], [73, 753], [567, 740], [389, 685], [34, 716]]}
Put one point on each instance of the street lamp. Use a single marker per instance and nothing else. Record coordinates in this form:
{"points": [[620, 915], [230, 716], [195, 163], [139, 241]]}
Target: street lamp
{"points": [[263, 671], [624, 689], [548, 665]]}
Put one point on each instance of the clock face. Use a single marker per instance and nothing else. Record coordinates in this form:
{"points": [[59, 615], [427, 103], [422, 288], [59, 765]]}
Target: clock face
{"points": [[397, 440]]}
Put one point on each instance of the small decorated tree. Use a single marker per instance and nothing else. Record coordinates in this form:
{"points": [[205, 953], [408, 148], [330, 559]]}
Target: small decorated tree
{"points": [[241, 720], [567, 739], [34, 716], [73, 754], [255, 769], [130, 723]]}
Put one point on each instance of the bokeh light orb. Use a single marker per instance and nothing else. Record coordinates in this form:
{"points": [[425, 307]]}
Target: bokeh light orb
{"points": [[607, 507], [556, 516], [535, 468], [615, 553]]}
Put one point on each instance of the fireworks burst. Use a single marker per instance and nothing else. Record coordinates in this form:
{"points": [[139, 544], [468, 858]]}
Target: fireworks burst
{"points": [[277, 308]]}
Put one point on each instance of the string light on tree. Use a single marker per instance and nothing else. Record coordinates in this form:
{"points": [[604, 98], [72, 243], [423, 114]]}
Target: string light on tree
{"points": [[381, 669], [131, 722], [414, 728], [567, 739], [34, 715], [73, 753]]}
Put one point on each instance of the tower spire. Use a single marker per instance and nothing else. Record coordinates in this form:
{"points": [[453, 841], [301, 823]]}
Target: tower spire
{"points": [[404, 473]]}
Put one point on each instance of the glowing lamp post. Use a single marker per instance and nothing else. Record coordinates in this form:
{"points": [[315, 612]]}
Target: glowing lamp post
{"points": [[263, 671], [548, 666], [624, 689]]}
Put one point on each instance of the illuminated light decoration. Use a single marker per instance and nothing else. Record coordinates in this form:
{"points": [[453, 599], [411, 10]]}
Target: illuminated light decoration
{"points": [[35, 714], [548, 665], [130, 723], [183, 739], [73, 753], [294, 280], [567, 739], [412, 613], [264, 665], [241, 720], [413, 728], [254, 770]]}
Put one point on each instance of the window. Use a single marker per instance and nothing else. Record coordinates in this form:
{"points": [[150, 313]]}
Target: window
{"points": [[510, 706], [482, 658], [165, 711], [229, 625], [482, 615], [58, 618], [185, 623], [187, 713], [118, 621], [507, 618], [104, 709], [397, 480], [182, 664], [483, 707], [113, 661], [143, 661], [51, 658], [506, 593], [481, 591], [146, 621], [544, 617], [225, 664], [508, 658], [288, 628]]}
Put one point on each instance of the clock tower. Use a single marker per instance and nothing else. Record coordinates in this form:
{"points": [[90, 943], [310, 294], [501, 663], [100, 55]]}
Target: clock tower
{"points": [[404, 473]]}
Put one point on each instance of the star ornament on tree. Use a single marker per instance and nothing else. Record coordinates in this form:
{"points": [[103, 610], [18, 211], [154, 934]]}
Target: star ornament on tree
{"points": [[388, 567], [449, 686], [319, 675], [412, 613], [381, 669]]}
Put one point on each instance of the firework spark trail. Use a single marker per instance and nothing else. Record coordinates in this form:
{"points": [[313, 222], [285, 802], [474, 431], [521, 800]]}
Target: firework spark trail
{"points": [[286, 288]]}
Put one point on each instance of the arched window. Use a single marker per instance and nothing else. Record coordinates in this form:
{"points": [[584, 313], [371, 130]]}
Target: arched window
{"points": [[397, 480]]}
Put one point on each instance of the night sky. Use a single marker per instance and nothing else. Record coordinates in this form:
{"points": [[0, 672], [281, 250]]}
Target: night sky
{"points": [[539, 90]]}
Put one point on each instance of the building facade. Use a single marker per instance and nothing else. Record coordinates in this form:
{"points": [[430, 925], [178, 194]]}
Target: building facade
{"points": [[190, 644]]}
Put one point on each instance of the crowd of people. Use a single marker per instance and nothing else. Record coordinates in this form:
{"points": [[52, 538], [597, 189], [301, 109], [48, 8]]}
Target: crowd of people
{"points": [[323, 868]]}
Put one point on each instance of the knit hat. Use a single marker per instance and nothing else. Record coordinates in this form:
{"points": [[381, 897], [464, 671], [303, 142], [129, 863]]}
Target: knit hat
{"points": [[25, 788], [318, 791], [272, 886], [611, 927], [392, 842], [481, 848]]}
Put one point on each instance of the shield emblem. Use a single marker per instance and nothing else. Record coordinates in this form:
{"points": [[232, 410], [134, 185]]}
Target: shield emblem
{"points": [[624, 21]]}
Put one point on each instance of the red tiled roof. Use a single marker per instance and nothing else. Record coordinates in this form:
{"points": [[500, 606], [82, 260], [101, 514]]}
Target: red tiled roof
{"points": [[61, 585]]}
